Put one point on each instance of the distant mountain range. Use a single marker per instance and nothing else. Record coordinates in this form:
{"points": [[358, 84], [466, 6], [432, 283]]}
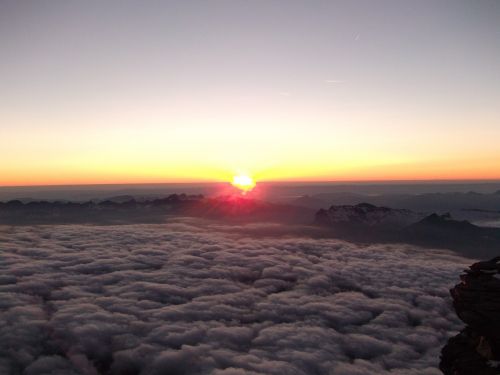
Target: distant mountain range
{"points": [[428, 202], [368, 223], [367, 215], [361, 223], [126, 209]]}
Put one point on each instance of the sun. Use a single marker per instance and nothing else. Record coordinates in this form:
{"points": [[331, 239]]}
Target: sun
{"points": [[243, 182]]}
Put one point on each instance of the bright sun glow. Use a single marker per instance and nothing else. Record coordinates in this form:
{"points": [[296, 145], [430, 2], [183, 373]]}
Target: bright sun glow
{"points": [[243, 182]]}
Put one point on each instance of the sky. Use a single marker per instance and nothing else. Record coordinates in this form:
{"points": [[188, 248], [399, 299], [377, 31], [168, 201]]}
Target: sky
{"points": [[170, 91]]}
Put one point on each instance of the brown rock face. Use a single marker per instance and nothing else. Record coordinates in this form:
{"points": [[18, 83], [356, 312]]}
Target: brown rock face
{"points": [[476, 350]]}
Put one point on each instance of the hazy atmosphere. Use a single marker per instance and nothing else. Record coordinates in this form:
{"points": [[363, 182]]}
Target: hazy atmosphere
{"points": [[162, 91]]}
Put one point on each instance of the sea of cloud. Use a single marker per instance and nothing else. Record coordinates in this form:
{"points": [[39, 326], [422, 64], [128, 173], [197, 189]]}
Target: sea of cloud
{"points": [[193, 297]]}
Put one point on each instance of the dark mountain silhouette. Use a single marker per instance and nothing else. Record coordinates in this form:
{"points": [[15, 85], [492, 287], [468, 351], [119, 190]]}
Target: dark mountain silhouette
{"points": [[443, 231], [119, 210], [109, 211], [362, 223], [365, 214], [368, 223], [426, 202]]}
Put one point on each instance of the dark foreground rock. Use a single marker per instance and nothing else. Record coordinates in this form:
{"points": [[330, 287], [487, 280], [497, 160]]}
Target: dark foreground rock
{"points": [[476, 350]]}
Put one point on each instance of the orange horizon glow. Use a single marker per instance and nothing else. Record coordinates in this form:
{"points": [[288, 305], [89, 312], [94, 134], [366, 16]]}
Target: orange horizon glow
{"points": [[291, 181], [63, 179], [151, 156], [461, 170], [323, 94]]}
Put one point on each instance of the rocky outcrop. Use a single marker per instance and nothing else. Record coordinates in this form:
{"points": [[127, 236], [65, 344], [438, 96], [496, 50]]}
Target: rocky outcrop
{"points": [[476, 350]]}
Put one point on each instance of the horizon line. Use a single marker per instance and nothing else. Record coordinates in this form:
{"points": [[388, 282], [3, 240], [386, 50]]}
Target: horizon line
{"points": [[204, 182]]}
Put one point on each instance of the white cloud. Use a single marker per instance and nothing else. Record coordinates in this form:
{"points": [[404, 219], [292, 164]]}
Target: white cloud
{"points": [[192, 298]]}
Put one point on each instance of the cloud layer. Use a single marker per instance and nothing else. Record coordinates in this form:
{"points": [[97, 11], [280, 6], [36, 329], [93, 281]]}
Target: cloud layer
{"points": [[195, 298]]}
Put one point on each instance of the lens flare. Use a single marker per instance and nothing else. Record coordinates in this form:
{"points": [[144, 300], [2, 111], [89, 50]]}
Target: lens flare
{"points": [[243, 182]]}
